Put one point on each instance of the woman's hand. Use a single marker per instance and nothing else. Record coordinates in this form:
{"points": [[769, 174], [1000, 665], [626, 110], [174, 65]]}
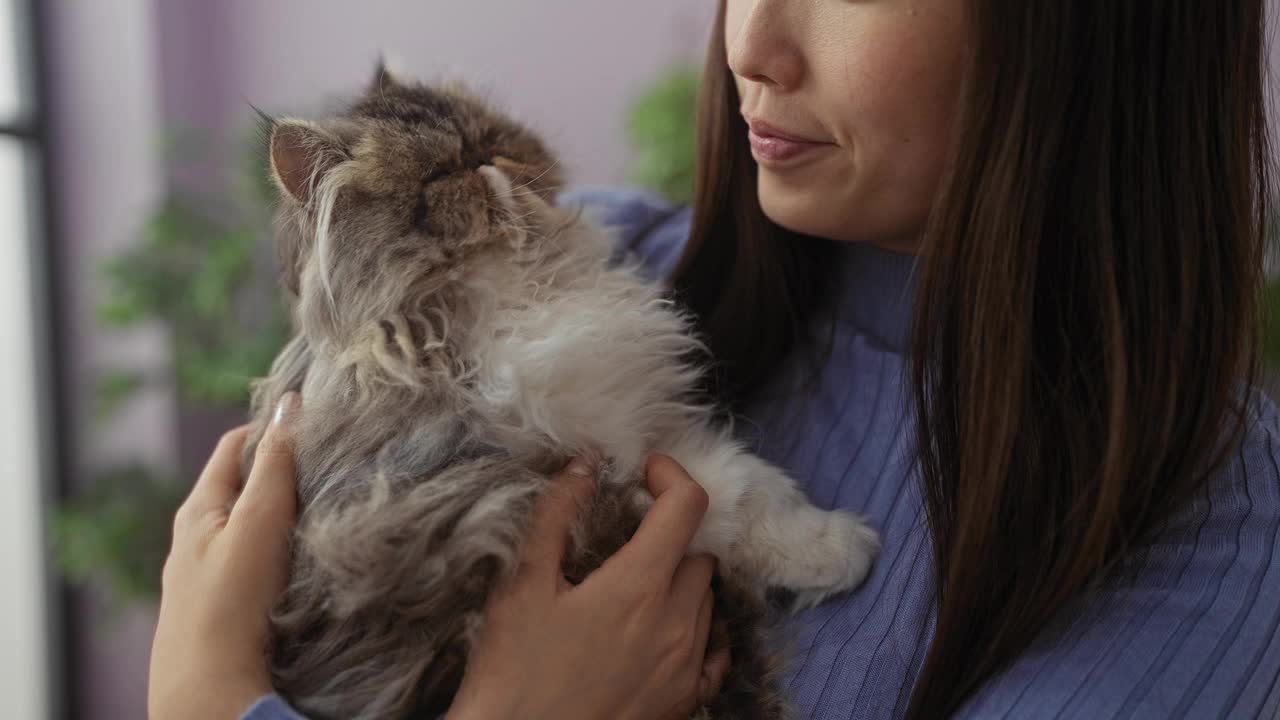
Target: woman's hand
{"points": [[628, 643], [227, 567]]}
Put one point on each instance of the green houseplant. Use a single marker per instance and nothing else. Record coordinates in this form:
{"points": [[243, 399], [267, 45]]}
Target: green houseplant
{"points": [[203, 272], [663, 134]]}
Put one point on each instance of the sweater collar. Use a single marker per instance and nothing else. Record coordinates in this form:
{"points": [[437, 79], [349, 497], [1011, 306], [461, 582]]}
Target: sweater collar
{"points": [[874, 291]]}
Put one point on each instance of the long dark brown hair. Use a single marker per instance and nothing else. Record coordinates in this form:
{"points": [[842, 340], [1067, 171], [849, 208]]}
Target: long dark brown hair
{"points": [[1086, 319]]}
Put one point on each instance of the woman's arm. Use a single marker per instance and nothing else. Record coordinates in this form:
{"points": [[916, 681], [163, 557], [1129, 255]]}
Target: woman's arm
{"points": [[271, 707]]}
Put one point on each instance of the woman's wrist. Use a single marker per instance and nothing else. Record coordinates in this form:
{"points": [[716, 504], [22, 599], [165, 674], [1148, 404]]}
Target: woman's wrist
{"points": [[242, 697], [214, 699], [457, 712], [467, 706]]}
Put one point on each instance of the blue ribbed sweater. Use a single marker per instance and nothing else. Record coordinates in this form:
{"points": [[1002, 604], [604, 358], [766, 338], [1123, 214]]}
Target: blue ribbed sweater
{"points": [[1191, 634]]}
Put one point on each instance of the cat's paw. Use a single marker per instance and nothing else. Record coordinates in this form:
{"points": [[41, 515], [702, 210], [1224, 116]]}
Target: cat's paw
{"points": [[834, 560]]}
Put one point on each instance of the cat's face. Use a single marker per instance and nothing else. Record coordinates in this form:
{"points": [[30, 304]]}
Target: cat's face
{"points": [[410, 182]]}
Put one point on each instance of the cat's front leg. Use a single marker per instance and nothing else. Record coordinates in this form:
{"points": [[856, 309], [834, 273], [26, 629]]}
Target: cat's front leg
{"points": [[760, 524]]}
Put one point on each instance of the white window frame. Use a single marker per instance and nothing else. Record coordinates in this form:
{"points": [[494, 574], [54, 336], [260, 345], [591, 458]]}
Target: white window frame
{"points": [[35, 603]]}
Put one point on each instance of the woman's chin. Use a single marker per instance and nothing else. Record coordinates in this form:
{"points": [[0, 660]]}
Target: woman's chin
{"points": [[787, 207], [797, 209], [814, 212]]}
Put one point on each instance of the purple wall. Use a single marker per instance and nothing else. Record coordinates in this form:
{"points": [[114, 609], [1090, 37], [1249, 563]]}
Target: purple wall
{"points": [[569, 67]]}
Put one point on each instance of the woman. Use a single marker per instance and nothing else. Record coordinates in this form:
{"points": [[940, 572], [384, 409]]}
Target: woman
{"points": [[984, 270]]}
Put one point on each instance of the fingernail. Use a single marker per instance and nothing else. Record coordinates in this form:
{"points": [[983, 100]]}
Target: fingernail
{"points": [[580, 468], [288, 402]]}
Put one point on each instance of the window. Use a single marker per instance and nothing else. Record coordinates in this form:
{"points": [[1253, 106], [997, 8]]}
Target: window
{"points": [[13, 99], [27, 613]]}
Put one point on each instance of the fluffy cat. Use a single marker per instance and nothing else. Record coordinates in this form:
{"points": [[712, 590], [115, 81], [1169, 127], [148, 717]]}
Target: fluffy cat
{"points": [[458, 338]]}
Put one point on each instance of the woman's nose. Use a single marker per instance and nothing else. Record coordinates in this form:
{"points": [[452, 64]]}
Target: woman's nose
{"points": [[762, 46]]}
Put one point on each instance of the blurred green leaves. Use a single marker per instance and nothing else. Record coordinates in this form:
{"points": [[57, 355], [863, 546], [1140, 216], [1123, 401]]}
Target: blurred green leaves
{"points": [[114, 388], [662, 128], [118, 530], [202, 271]]}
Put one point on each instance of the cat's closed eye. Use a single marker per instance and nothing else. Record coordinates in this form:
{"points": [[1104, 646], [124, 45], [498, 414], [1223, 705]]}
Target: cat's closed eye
{"points": [[436, 174], [419, 218]]}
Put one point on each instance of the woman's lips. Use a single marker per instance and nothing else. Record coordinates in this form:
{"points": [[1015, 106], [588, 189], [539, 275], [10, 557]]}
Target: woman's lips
{"points": [[772, 146]]}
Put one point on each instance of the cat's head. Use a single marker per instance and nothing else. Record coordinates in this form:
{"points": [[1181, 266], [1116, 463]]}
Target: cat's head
{"points": [[409, 182]]}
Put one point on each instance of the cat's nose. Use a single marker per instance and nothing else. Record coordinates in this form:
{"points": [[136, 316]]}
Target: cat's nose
{"points": [[512, 168], [499, 184]]}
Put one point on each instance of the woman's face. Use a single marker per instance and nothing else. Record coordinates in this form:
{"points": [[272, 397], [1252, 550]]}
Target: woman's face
{"points": [[850, 104]]}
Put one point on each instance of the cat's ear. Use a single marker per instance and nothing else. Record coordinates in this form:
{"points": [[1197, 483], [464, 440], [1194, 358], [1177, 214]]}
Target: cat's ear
{"points": [[301, 154], [385, 78]]}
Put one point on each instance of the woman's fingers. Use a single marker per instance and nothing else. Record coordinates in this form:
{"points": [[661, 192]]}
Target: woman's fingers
{"points": [[220, 480], [270, 498], [715, 667], [692, 580], [553, 519], [701, 632], [668, 527], [692, 583]]}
